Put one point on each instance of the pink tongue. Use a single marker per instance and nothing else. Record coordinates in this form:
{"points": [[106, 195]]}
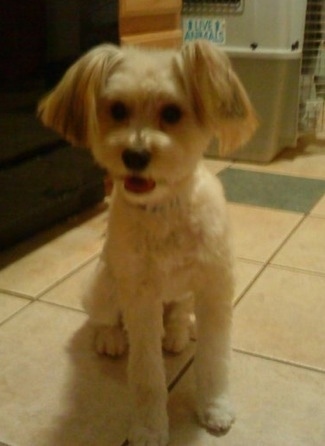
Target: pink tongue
{"points": [[139, 185]]}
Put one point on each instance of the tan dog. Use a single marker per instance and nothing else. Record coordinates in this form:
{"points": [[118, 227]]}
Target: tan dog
{"points": [[148, 116]]}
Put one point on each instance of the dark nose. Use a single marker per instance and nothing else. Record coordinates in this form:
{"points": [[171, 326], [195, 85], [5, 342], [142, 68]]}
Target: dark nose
{"points": [[136, 159]]}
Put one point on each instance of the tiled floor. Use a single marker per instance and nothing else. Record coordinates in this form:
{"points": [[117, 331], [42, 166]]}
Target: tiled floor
{"points": [[55, 391]]}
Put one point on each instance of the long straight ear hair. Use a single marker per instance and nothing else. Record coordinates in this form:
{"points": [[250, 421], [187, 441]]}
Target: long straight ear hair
{"points": [[71, 107], [220, 100]]}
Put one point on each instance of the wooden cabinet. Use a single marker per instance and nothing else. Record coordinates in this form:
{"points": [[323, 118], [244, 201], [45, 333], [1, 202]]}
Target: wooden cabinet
{"points": [[150, 22], [146, 7]]}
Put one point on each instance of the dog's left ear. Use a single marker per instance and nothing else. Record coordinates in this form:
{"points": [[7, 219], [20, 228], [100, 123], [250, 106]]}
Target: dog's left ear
{"points": [[220, 99]]}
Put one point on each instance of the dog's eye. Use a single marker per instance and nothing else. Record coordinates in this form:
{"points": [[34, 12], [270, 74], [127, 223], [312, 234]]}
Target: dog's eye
{"points": [[119, 111], [171, 114]]}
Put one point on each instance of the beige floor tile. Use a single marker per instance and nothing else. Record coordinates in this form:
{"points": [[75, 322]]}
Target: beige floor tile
{"points": [[282, 316], [319, 209], [306, 247], [258, 232], [33, 266], [9, 305], [244, 275], [55, 390], [308, 161], [277, 405], [69, 292]]}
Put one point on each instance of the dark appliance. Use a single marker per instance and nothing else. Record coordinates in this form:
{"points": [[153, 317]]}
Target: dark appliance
{"points": [[42, 179]]}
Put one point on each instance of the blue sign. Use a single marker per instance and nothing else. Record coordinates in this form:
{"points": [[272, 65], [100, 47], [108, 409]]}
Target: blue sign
{"points": [[208, 28]]}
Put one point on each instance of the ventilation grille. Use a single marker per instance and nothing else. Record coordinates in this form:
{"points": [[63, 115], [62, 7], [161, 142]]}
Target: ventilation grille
{"points": [[213, 6], [312, 93]]}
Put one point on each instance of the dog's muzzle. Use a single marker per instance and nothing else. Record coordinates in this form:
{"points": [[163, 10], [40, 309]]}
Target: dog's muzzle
{"points": [[136, 160]]}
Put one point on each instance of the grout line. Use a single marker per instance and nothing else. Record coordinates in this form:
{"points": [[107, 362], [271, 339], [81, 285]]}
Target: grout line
{"points": [[249, 261], [252, 281], [316, 215], [291, 233], [249, 286], [292, 269], [63, 307], [52, 285], [65, 277], [180, 374], [13, 315], [295, 269], [267, 263], [32, 302], [10, 293], [280, 361]]}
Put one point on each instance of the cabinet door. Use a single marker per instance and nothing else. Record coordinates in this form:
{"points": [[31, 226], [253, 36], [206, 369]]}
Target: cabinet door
{"points": [[163, 39], [150, 22], [148, 7]]}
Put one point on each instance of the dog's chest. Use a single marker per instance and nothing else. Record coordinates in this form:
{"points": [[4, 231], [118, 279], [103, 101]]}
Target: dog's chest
{"points": [[169, 236]]}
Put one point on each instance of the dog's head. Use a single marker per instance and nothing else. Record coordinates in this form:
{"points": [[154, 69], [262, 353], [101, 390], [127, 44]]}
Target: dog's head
{"points": [[148, 115]]}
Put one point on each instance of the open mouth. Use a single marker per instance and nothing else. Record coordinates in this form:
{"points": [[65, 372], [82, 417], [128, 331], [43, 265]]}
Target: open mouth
{"points": [[139, 185]]}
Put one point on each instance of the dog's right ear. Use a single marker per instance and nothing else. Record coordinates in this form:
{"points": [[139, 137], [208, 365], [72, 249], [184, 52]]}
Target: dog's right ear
{"points": [[71, 107]]}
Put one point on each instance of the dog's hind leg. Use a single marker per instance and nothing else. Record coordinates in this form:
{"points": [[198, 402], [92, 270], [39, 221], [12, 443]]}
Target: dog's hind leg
{"points": [[214, 314], [100, 301]]}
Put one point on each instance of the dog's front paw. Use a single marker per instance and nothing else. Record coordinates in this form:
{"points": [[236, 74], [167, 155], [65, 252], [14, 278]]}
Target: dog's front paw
{"points": [[143, 436], [111, 341], [149, 428], [217, 416], [176, 339]]}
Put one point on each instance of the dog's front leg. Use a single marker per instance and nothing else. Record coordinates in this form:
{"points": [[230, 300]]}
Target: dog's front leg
{"points": [[143, 317], [214, 314], [101, 303]]}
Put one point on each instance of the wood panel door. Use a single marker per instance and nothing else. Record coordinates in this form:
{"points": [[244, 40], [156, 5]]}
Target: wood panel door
{"points": [[150, 22]]}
